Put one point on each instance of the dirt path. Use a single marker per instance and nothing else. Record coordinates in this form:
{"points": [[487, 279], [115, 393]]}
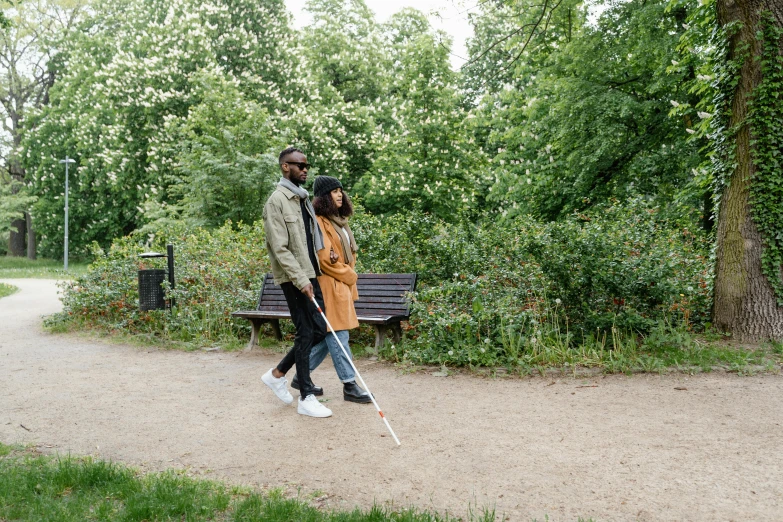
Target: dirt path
{"points": [[614, 448]]}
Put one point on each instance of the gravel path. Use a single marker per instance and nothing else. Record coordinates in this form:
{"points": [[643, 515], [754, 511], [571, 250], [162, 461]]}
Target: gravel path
{"points": [[612, 448]]}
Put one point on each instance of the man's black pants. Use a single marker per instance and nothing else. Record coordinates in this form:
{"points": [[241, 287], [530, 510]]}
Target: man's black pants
{"points": [[310, 330]]}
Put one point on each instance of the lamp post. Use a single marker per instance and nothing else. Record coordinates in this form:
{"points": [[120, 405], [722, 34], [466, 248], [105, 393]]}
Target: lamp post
{"points": [[67, 160]]}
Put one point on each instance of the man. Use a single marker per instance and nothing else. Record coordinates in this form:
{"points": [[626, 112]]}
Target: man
{"points": [[292, 240]]}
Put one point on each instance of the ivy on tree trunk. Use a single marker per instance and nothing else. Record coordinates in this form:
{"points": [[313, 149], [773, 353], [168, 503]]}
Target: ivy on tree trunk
{"points": [[745, 303]]}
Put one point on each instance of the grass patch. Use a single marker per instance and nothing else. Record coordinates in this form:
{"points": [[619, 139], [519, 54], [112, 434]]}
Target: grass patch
{"points": [[60, 324], [67, 488], [6, 289], [36, 487], [23, 268], [666, 349]]}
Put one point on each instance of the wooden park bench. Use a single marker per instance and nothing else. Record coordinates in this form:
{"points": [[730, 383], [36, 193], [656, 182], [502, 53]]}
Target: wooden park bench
{"points": [[383, 303]]}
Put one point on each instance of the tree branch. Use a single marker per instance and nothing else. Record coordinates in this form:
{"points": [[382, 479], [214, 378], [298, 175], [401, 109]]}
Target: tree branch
{"points": [[498, 42], [533, 32]]}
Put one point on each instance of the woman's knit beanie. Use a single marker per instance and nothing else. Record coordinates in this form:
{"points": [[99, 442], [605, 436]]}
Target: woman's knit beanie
{"points": [[325, 184]]}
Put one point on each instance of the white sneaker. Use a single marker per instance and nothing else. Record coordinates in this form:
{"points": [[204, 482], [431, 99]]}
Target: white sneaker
{"points": [[311, 407], [279, 386]]}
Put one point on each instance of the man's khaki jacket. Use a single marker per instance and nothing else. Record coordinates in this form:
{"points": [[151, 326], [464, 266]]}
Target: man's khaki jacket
{"points": [[286, 239]]}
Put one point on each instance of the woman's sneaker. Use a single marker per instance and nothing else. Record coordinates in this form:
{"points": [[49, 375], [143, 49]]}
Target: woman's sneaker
{"points": [[279, 385], [312, 408]]}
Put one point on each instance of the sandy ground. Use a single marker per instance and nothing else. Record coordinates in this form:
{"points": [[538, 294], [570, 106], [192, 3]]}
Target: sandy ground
{"points": [[612, 448]]}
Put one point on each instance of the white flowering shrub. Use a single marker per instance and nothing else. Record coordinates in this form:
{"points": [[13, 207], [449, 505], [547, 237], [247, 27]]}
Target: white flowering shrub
{"points": [[425, 158], [224, 160], [134, 68], [345, 49]]}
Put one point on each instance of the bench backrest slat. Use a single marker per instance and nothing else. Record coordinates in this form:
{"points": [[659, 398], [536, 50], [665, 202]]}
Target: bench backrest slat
{"points": [[379, 294]]}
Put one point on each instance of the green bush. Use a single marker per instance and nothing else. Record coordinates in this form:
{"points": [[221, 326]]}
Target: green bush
{"points": [[506, 291], [622, 267], [416, 242], [516, 292], [216, 273]]}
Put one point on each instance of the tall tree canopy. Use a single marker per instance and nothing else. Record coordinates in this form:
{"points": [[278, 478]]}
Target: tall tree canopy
{"points": [[426, 157], [586, 118], [135, 66], [31, 34]]}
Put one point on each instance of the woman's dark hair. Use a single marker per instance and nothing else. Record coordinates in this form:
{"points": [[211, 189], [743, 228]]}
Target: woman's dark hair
{"points": [[324, 206]]}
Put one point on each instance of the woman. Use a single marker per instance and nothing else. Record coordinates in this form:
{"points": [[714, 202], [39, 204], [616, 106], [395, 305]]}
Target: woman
{"points": [[338, 283]]}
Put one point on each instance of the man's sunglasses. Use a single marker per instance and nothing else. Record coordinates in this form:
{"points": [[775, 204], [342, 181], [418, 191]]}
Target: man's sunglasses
{"points": [[301, 164]]}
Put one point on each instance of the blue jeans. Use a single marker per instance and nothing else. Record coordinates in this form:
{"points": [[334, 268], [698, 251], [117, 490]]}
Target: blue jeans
{"points": [[341, 365]]}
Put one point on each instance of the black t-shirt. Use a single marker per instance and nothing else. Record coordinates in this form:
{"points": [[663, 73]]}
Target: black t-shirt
{"points": [[309, 236]]}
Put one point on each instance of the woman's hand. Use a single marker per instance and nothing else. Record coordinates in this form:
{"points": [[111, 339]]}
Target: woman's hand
{"points": [[333, 256]]}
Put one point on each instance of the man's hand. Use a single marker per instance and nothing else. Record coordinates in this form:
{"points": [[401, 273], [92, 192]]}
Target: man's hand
{"points": [[333, 256], [308, 291]]}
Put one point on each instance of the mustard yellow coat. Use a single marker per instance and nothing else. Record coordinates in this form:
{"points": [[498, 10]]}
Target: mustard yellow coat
{"points": [[338, 280]]}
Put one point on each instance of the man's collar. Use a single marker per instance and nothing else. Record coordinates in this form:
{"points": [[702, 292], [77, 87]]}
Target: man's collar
{"points": [[286, 191]]}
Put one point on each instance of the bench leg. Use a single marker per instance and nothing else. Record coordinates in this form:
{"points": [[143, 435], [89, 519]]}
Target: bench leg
{"points": [[276, 329], [381, 332], [396, 333], [380, 336], [256, 325]]}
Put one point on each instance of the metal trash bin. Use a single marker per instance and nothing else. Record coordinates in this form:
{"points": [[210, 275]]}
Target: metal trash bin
{"points": [[151, 293]]}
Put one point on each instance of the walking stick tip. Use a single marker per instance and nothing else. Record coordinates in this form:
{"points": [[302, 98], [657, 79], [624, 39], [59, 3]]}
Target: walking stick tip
{"points": [[331, 329]]}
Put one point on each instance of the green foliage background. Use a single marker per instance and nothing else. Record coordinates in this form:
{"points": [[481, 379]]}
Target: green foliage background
{"points": [[558, 188], [482, 287], [486, 295], [173, 116]]}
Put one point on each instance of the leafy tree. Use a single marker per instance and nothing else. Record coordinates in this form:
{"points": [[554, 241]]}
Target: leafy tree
{"points": [[30, 35], [512, 40], [425, 158], [253, 43], [735, 50], [588, 120], [337, 137], [346, 62], [225, 159], [747, 133], [345, 51], [133, 67]]}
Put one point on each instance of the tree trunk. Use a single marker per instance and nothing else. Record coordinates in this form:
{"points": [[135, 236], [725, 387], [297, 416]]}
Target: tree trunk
{"points": [[16, 243], [16, 238], [745, 303], [31, 243]]}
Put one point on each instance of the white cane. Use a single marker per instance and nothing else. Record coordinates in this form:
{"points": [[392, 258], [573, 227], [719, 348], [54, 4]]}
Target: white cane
{"points": [[348, 357]]}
